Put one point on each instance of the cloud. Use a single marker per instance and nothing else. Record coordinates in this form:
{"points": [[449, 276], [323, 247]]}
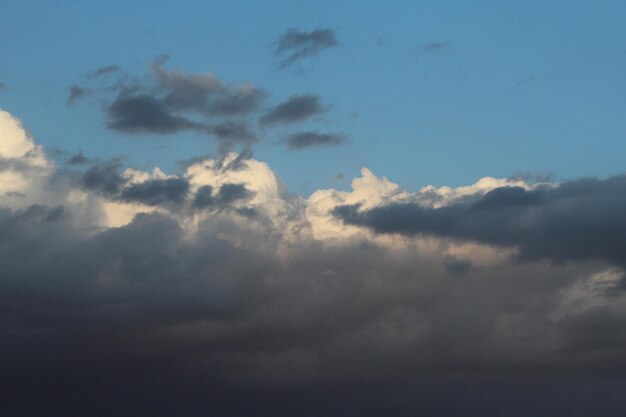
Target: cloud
{"points": [[574, 220], [233, 131], [78, 158], [295, 109], [146, 114], [104, 177], [228, 193], [23, 163], [456, 265], [304, 140], [156, 192], [168, 101], [275, 306], [296, 44], [76, 93], [105, 70], [205, 93]]}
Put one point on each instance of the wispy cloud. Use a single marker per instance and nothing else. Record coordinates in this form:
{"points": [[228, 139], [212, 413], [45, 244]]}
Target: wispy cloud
{"points": [[296, 44]]}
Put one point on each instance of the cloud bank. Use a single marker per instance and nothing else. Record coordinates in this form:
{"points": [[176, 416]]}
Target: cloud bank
{"points": [[215, 291]]}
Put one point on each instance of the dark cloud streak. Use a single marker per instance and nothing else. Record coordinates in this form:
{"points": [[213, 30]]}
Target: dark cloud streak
{"points": [[303, 140], [295, 44], [295, 109], [105, 70]]}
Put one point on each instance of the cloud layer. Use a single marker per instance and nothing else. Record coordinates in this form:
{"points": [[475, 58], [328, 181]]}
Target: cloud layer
{"points": [[216, 292]]}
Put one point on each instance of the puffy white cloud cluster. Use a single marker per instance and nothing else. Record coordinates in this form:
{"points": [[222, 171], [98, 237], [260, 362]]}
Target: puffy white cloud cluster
{"points": [[22, 162]]}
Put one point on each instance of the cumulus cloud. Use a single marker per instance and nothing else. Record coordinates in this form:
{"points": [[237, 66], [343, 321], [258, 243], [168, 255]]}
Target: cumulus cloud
{"points": [[22, 163], [215, 291], [569, 221], [296, 44]]}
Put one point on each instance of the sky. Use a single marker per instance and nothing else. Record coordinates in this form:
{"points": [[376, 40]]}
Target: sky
{"points": [[312, 208]]}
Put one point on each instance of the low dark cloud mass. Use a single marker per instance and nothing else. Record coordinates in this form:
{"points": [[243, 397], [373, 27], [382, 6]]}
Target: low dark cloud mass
{"points": [[296, 44], [141, 320], [214, 291], [305, 140], [295, 109], [575, 220]]}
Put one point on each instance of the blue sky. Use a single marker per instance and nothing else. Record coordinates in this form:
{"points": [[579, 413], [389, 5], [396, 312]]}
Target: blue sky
{"points": [[510, 87]]}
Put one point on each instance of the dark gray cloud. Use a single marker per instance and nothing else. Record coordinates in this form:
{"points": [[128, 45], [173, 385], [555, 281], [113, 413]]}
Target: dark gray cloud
{"points": [[230, 193], [156, 192], [228, 311], [146, 114], [78, 158], [104, 177], [226, 195], [185, 91], [205, 93], [305, 140], [296, 44], [170, 101], [345, 330], [295, 109], [575, 220], [204, 197]]}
